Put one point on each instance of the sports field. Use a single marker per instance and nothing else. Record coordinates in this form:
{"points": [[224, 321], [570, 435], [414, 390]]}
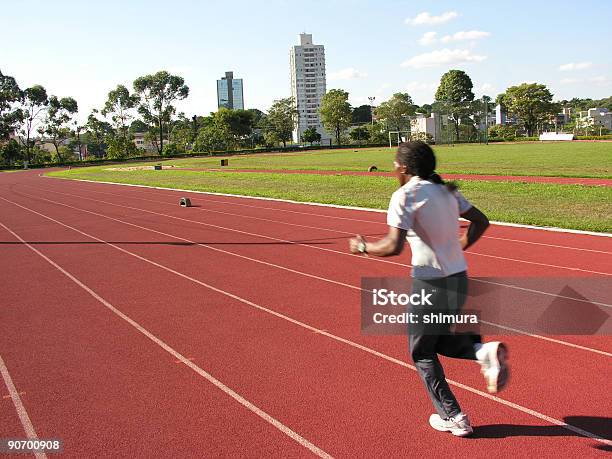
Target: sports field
{"points": [[578, 159], [543, 204]]}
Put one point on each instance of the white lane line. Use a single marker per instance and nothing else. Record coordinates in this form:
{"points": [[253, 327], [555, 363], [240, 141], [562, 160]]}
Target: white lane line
{"points": [[335, 206], [346, 233], [236, 396], [371, 222], [519, 241], [28, 427], [313, 276], [566, 247], [316, 331], [379, 260]]}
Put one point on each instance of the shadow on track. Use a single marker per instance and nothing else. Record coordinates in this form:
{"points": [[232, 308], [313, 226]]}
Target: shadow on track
{"points": [[319, 241], [597, 425]]}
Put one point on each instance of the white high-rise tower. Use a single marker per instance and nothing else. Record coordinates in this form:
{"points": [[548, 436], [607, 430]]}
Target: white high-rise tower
{"points": [[307, 63]]}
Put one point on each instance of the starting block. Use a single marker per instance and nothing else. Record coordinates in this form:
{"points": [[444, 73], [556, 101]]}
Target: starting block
{"points": [[185, 202]]}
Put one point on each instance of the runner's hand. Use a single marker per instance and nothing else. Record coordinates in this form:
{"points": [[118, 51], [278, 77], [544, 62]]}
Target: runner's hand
{"points": [[355, 242]]}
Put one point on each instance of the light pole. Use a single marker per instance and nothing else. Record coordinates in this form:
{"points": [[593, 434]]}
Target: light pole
{"points": [[371, 99], [485, 101]]}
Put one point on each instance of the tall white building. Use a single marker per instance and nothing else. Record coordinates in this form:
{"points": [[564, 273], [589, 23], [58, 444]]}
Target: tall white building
{"points": [[307, 62]]}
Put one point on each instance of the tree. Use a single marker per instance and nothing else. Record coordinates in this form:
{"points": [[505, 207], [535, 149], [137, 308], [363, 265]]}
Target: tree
{"points": [[359, 134], [259, 124], [336, 112], [362, 114], [98, 131], [10, 113], [311, 135], [118, 107], [59, 115], [425, 109], [237, 125], [120, 148], [139, 126], [157, 94], [500, 132], [455, 93], [259, 118], [531, 103], [396, 111], [34, 104], [377, 133], [183, 133], [210, 137], [10, 152], [280, 122]]}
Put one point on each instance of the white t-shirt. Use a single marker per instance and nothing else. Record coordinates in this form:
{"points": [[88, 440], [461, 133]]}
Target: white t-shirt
{"points": [[430, 214]]}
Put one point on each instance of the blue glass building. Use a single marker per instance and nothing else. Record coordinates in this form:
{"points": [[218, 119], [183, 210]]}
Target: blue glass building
{"points": [[230, 92]]}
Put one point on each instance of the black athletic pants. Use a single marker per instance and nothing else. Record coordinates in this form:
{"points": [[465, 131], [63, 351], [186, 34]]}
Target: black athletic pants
{"points": [[448, 294]]}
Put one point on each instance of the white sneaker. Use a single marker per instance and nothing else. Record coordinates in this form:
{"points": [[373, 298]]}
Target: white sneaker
{"points": [[458, 425], [492, 359]]}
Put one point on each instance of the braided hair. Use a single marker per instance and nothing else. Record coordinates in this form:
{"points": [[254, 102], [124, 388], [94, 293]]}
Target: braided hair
{"points": [[419, 159]]}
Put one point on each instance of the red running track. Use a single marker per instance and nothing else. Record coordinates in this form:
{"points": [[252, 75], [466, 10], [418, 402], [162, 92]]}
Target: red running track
{"points": [[133, 327]]}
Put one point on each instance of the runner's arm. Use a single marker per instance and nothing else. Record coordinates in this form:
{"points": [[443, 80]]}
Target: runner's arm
{"points": [[478, 225], [391, 244]]}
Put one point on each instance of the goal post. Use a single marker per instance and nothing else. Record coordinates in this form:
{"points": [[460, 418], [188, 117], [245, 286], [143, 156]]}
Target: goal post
{"points": [[398, 137]]}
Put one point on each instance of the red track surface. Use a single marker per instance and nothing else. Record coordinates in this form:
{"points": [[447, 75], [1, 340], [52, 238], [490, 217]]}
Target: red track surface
{"points": [[232, 329], [486, 178]]}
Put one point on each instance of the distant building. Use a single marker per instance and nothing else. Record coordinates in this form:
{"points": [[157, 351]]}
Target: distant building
{"points": [[500, 115], [425, 128], [308, 84], [146, 145], [230, 92], [596, 117]]}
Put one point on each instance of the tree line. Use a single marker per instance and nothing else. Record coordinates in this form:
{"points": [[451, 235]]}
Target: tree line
{"points": [[529, 108], [30, 116]]}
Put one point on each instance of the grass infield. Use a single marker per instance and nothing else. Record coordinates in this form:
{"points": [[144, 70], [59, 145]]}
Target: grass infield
{"points": [[580, 159], [564, 206]]}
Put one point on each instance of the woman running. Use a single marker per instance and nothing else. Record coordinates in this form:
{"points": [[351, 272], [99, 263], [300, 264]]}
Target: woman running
{"points": [[425, 211]]}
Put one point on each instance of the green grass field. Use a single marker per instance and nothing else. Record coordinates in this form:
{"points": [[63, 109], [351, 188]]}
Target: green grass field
{"points": [[566, 206], [578, 159]]}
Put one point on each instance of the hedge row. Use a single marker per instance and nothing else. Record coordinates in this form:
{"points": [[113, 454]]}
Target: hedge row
{"points": [[194, 154]]}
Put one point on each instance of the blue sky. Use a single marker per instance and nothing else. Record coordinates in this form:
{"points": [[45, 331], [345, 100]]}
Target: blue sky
{"points": [[373, 48]]}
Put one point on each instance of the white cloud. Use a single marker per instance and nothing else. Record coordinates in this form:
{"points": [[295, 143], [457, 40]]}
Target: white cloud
{"points": [[418, 86], [358, 100], [442, 57], [486, 88], [464, 36], [569, 80], [575, 66], [382, 88], [600, 80], [346, 74], [428, 38], [426, 18]]}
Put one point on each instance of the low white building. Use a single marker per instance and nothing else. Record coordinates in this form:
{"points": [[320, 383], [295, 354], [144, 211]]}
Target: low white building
{"points": [[424, 128], [143, 143], [595, 117], [500, 115]]}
